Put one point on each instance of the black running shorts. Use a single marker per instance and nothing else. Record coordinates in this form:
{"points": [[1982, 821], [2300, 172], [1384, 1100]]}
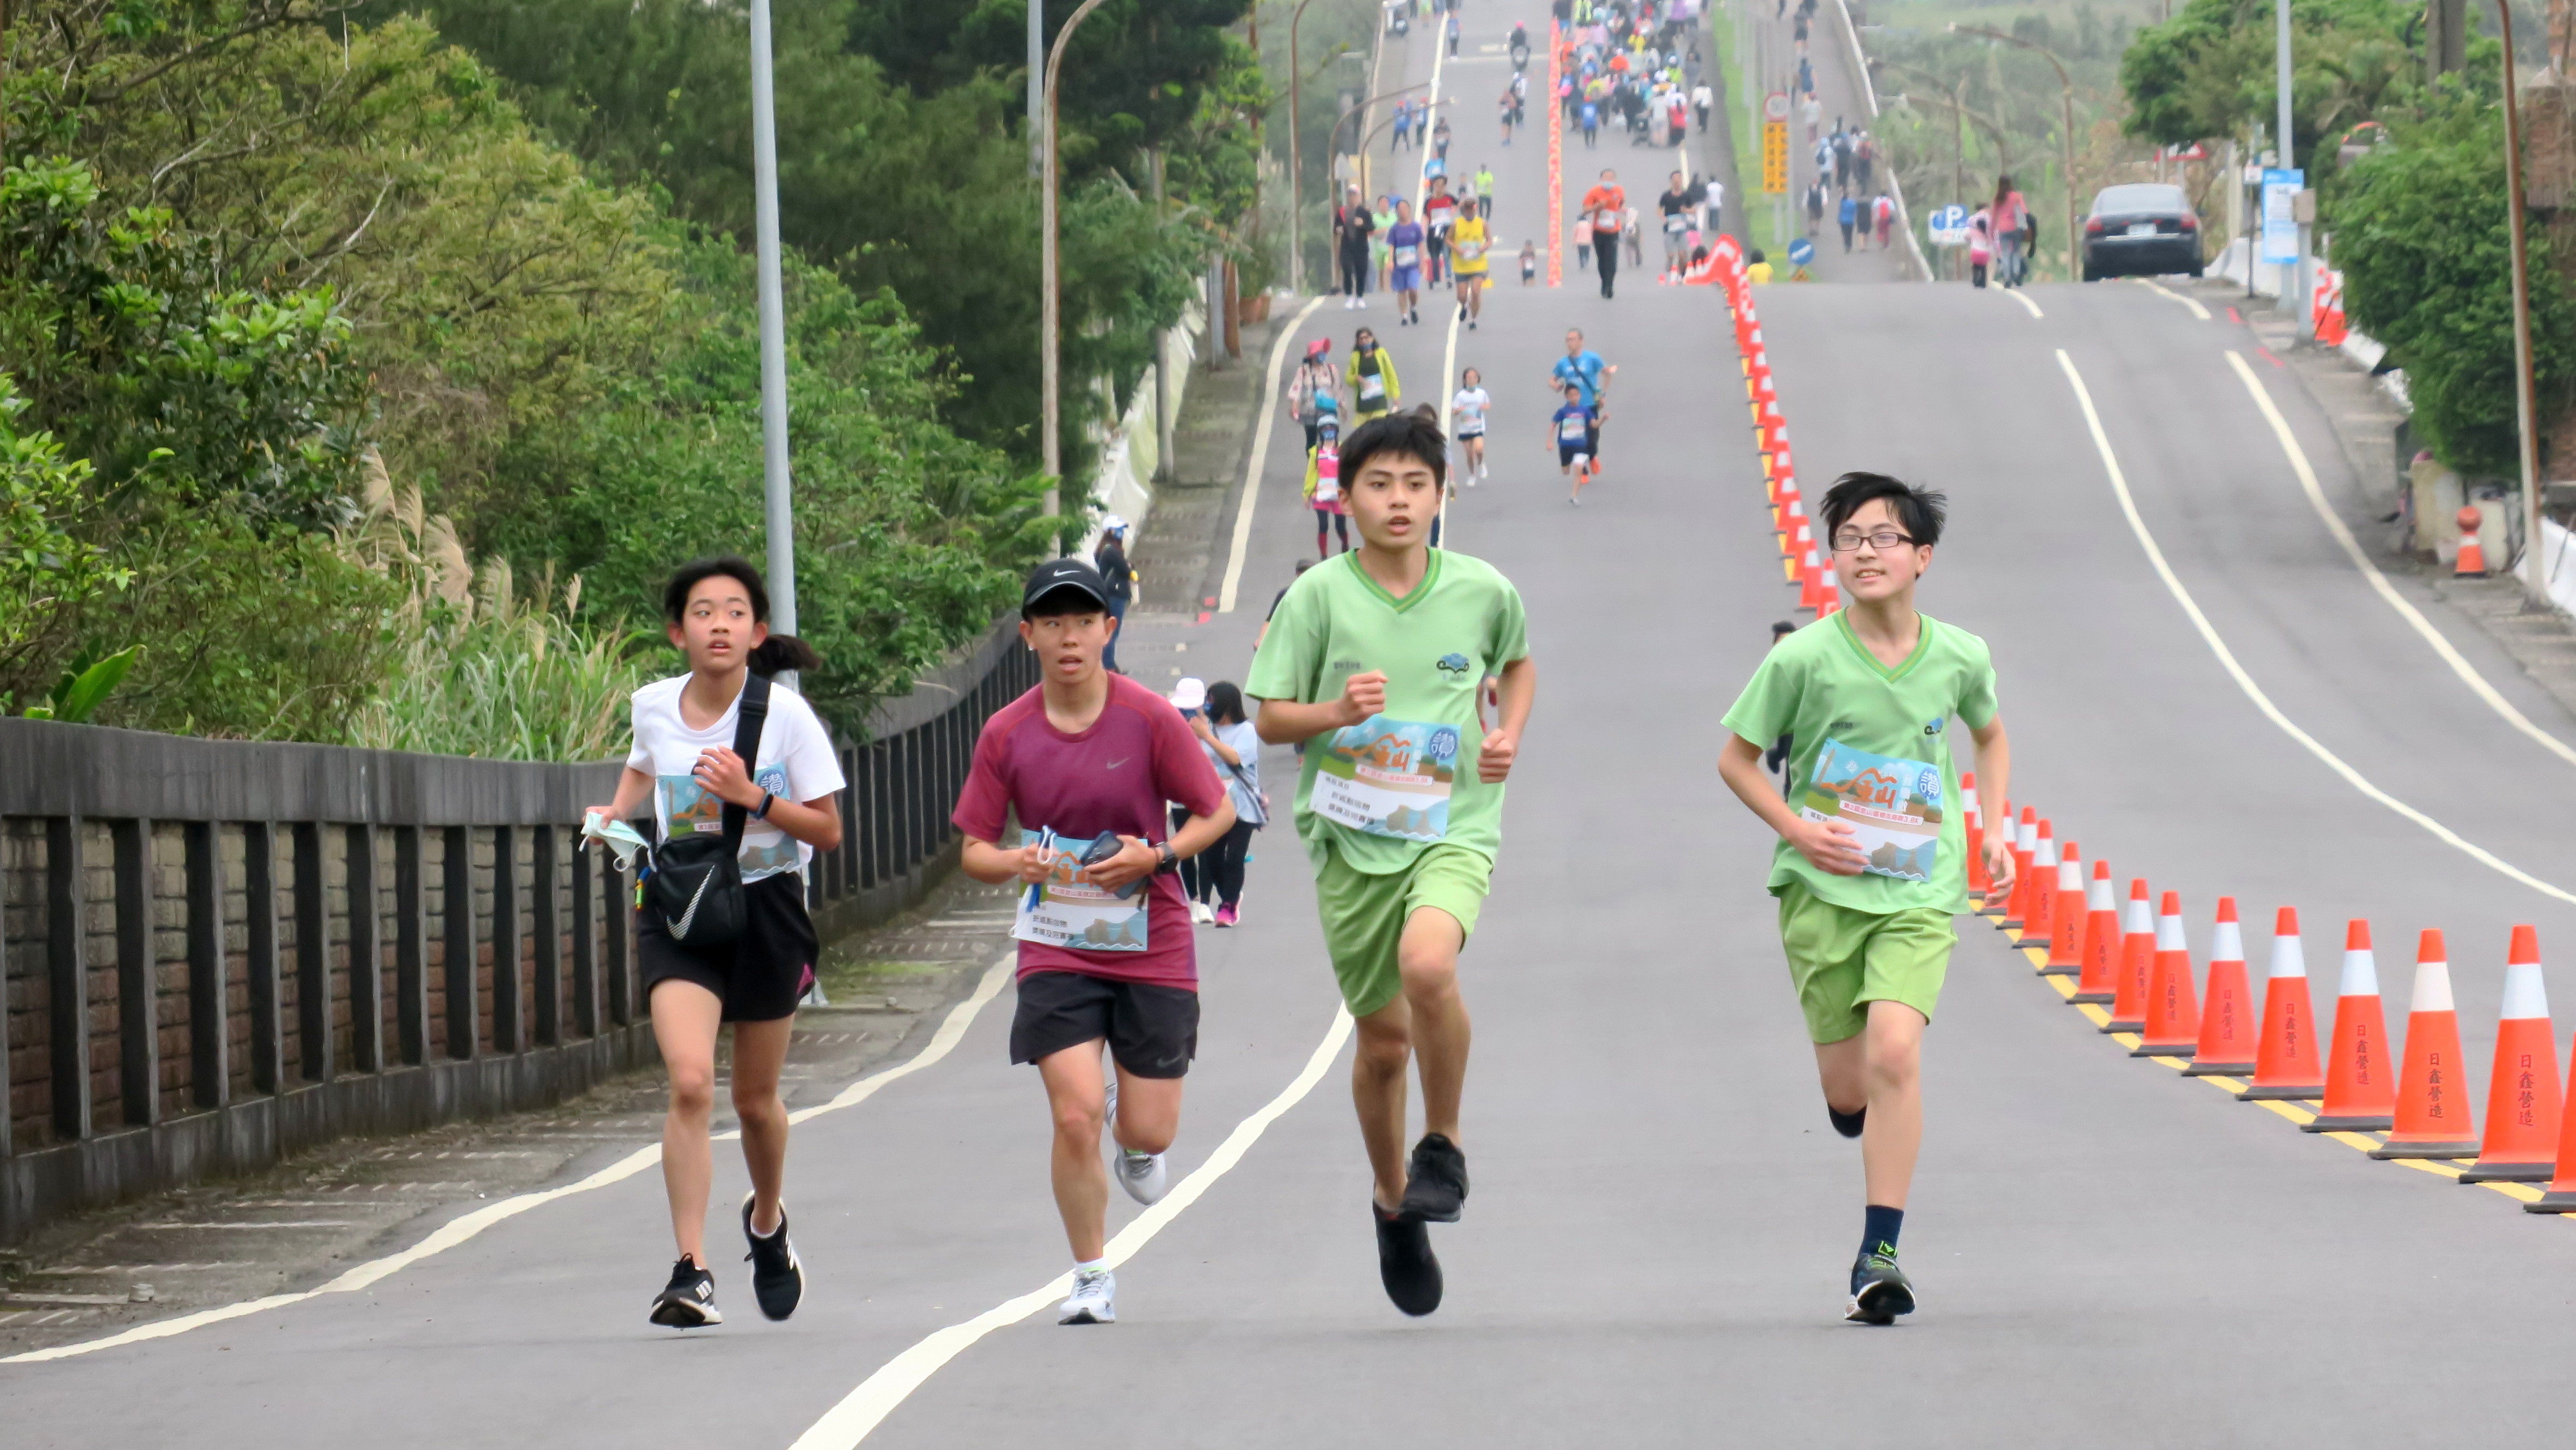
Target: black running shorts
{"points": [[760, 974], [1152, 1031]]}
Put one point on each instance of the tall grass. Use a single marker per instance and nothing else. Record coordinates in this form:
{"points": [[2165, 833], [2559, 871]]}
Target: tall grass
{"points": [[488, 667]]}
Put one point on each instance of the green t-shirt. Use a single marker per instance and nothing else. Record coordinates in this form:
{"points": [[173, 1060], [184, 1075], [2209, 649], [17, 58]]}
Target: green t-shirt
{"points": [[1411, 769], [1889, 774]]}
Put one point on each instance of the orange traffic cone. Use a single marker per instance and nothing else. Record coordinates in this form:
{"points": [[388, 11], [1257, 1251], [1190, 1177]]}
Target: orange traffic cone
{"points": [[2038, 913], [2286, 1065], [2360, 1098], [2473, 555], [1830, 591], [2226, 1046], [1975, 821], [2173, 1014], [2066, 916], [2101, 940], [2561, 1197], [2433, 1114], [2025, 850], [2137, 955], [2522, 1096]]}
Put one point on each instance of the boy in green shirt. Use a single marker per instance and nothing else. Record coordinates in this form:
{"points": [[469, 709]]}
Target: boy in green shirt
{"points": [[1871, 862], [1384, 651]]}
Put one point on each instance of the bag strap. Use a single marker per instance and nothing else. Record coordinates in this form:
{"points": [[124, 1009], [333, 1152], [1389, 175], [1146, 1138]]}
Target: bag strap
{"points": [[752, 714]]}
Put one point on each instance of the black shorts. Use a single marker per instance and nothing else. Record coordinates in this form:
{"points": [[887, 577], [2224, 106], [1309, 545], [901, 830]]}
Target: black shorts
{"points": [[759, 975], [1152, 1031]]}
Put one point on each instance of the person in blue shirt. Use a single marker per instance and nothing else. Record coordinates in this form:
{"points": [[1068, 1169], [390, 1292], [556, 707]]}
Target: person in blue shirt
{"points": [[1850, 214], [1572, 429], [1591, 124], [1404, 241], [1582, 369]]}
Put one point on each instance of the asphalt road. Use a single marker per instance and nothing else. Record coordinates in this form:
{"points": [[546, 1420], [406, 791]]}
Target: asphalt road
{"points": [[1661, 1221]]}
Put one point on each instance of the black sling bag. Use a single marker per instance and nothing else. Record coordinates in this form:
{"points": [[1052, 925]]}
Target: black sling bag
{"points": [[697, 879]]}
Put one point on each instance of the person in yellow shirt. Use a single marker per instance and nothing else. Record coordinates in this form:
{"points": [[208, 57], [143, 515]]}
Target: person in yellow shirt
{"points": [[1372, 377], [1467, 248], [1759, 269]]}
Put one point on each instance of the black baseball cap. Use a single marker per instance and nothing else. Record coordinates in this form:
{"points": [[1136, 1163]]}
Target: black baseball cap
{"points": [[1055, 574]]}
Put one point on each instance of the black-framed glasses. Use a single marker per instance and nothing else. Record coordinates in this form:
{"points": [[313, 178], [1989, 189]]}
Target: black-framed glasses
{"points": [[1884, 539]]}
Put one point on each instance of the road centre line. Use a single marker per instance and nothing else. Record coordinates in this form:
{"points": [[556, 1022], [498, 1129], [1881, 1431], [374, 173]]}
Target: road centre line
{"points": [[2161, 290], [2015, 293], [864, 1408], [2352, 549], [2245, 681], [457, 1230], [1260, 453]]}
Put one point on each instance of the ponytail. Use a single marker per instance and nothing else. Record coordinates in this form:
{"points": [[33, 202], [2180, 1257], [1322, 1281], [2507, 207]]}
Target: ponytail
{"points": [[783, 652]]}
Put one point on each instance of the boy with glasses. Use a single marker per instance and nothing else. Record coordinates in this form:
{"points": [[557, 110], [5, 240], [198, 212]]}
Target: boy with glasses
{"points": [[1871, 863]]}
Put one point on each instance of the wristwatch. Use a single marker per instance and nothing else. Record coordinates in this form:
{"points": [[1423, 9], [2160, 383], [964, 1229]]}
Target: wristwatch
{"points": [[762, 814], [1165, 858]]}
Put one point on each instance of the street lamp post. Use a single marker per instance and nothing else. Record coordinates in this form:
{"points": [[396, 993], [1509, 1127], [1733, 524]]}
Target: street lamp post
{"points": [[1050, 284], [1296, 181], [2526, 413], [776, 496], [2066, 132]]}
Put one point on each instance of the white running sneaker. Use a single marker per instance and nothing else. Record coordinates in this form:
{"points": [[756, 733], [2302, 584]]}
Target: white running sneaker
{"points": [[1094, 1299], [1142, 1175], [1200, 914]]}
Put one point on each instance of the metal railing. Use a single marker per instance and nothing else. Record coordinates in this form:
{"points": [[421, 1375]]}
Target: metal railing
{"points": [[189, 992]]}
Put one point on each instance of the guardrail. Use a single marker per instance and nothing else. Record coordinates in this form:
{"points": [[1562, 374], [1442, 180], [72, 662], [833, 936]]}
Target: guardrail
{"points": [[1869, 96], [189, 992]]}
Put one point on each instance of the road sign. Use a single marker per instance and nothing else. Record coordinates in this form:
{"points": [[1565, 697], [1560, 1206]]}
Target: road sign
{"points": [[1775, 107], [1775, 157], [1801, 252], [2280, 222], [1949, 225]]}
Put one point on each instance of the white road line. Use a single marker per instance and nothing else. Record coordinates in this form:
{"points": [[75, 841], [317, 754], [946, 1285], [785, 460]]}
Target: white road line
{"points": [[877, 1396], [1260, 453], [2245, 682], [458, 1230], [2161, 290], [2015, 293], [2352, 549]]}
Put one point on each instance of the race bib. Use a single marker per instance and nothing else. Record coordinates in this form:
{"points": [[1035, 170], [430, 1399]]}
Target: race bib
{"points": [[1605, 221], [1328, 482], [1472, 249], [1066, 911], [1389, 778], [1677, 223], [1893, 807], [1406, 256], [1573, 430], [1372, 387]]}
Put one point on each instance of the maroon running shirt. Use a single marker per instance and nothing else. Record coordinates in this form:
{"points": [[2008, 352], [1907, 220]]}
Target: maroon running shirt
{"points": [[1114, 776]]}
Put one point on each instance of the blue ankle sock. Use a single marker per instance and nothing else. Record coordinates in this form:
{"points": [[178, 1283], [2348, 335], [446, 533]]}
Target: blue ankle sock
{"points": [[1880, 1228]]}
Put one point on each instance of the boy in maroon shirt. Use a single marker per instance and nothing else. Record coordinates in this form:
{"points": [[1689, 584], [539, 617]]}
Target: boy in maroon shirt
{"points": [[1086, 761]]}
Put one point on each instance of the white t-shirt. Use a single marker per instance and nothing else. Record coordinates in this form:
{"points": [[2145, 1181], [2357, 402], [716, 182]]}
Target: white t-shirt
{"points": [[1467, 411], [796, 763]]}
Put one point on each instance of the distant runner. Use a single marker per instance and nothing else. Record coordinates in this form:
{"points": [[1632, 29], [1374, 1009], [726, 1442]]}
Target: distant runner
{"points": [[1468, 240], [1467, 411], [1571, 428], [1404, 242], [1583, 368], [1605, 209], [1371, 377]]}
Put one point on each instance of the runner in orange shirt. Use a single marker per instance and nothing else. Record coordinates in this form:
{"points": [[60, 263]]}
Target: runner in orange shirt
{"points": [[1605, 209]]}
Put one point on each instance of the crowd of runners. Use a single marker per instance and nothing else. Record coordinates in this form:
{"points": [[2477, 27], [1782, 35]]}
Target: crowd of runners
{"points": [[1400, 673]]}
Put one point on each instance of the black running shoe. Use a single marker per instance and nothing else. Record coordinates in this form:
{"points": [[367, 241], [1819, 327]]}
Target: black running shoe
{"points": [[1405, 1263], [1879, 1290], [1436, 1180], [690, 1300], [777, 1279], [1847, 1124]]}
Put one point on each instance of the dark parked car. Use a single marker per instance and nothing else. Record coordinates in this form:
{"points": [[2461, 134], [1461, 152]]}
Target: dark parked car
{"points": [[2140, 230]]}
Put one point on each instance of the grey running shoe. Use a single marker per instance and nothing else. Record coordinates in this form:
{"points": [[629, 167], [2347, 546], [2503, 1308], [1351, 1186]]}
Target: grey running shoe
{"points": [[1879, 1290]]}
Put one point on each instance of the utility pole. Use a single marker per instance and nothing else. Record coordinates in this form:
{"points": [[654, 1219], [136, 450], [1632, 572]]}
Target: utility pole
{"points": [[1050, 280], [2299, 299], [2525, 413], [1296, 159], [776, 497], [1037, 86]]}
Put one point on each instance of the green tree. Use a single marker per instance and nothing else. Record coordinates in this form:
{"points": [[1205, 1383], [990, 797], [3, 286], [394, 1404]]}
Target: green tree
{"points": [[2210, 69], [2424, 241]]}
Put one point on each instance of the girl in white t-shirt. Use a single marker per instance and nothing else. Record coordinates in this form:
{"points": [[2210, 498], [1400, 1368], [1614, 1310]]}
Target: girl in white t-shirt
{"points": [[786, 800], [1467, 424]]}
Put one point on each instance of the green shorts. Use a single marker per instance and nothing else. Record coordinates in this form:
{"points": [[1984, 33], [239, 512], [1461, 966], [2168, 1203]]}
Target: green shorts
{"points": [[1364, 915], [1843, 960]]}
